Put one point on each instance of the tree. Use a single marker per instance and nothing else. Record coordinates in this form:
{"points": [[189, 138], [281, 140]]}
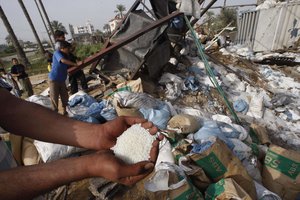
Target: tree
{"points": [[217, 23], [8, 40], [228, 15], [56, 25], [42, 50], [98, 32], [106, 28], [209, 20], [43, 20], [21, 54], [120, 9]]}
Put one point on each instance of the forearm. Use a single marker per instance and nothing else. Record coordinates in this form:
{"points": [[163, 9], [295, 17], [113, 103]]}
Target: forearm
{"points": [[68, 62], [15, 75], [28, 119], [31, 181]]}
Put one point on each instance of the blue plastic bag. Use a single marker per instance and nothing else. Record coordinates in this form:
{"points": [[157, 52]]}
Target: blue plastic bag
{"points": [[84, 100], [159, 117]]}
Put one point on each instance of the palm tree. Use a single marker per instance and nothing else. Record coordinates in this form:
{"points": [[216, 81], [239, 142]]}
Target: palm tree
{"points": [[120, 9], [47, 18], [41, 47], [8, 40], [48, 31], [21, 54], [56, 25]]}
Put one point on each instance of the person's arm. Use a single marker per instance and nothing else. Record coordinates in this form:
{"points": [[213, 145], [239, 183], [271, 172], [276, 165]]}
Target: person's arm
{"points": [[31, 120], [14, 72], [68, 62], [31, 181]]}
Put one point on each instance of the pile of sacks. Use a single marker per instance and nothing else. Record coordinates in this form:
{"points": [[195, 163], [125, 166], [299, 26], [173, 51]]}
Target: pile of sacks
{"points": [[220, 160], [200, 158]]}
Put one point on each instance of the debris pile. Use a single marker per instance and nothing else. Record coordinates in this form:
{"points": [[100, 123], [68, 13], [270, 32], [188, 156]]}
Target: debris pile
{"points": [[205, 153]]}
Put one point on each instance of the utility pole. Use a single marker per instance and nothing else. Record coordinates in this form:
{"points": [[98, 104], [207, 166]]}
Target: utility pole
{"points": [[47, 30], [20, 53], [41, 47], [47, 18]]}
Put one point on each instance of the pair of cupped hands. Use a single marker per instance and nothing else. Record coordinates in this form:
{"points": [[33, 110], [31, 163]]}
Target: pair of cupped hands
{"points": [[105, 164]]}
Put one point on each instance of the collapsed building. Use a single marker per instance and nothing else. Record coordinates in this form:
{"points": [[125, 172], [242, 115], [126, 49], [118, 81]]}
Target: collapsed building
{"points": [[231, 117]]}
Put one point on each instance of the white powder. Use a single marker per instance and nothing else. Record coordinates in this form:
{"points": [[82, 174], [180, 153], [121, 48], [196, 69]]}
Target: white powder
{"points": [[134, 145]]}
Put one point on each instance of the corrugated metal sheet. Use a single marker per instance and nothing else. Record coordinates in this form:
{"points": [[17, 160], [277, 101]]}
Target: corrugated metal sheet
{"points": [[271, 29], [247, 27]]}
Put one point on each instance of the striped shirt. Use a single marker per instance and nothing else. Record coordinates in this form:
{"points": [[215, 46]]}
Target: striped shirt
{"points": [[4, 84]]}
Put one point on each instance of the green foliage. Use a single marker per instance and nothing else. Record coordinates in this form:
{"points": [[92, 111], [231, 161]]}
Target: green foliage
{"points": [[38, 64], [120, 9], [10, 50], [8, 40], [217, 22], [56, 25], [84, 51], [228, 15]]}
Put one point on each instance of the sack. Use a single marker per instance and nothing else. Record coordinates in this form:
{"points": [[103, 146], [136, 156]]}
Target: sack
{"points": [[169, 177], [185, 123], [134, 85], [261, 134], [126, 111], [281, 172], [30, 155], [226, 189], [195, 173], [219, 162], [158, 116], [50, 151], [264, 194]]}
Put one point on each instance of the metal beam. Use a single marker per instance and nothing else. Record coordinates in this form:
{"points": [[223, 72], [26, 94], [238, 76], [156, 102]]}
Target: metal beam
{"points": [[123, 42]]}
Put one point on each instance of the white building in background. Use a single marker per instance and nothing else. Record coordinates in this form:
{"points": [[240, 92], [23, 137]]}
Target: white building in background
{"points": [[114, 23], [88, 28]]}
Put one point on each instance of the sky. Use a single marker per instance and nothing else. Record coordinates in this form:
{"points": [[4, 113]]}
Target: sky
{"points": [[75, 12]]}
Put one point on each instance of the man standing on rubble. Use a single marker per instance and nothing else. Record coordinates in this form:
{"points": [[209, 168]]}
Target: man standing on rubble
{"points": [[31, 181], [58, 76], [78, 75], [18, 71]]}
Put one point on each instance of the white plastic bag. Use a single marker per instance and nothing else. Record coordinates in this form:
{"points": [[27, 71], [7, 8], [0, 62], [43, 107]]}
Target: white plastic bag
{"points": [[50, 152]]}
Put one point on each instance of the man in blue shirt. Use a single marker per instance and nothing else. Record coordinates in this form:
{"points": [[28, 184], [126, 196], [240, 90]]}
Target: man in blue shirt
{"points": [[58, 76]]}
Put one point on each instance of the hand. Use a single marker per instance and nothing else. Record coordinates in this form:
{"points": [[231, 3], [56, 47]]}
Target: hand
{"points": [[113, 129], [107, 165]]}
